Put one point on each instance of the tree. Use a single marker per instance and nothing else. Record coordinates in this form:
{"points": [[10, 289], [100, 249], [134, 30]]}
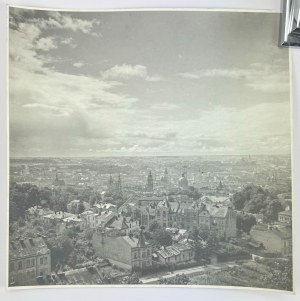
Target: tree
{"points": [[180, 279], [80, 208], [154, 226], [132, 279], [61, 247], [271, 211], [162, 238], [245, 222]]}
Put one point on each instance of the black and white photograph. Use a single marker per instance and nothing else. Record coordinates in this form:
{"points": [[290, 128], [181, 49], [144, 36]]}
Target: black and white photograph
{"points": [[149, 148]]}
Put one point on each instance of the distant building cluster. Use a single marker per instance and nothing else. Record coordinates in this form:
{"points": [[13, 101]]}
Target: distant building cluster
{"points": [[188, 214]]}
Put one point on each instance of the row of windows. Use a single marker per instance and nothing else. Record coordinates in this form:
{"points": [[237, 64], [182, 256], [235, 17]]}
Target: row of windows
{"points": [[144, 254], [20, 265], [29, 263]]}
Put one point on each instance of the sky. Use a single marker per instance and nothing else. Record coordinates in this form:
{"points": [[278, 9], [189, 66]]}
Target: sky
{"points": [[147, 83]]}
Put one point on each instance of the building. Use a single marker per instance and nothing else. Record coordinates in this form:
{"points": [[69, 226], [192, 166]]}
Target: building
{"points": [[115, 187], [149, 185], [179, 253], [285, 217], [101, 219], [183, 182], [58, 182], [148, 200], [29, 259], [273, 238], [189, 214], [127, 252]]}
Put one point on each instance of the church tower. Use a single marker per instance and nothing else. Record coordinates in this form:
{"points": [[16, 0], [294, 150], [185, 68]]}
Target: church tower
{"points": [[149, 186], [119, 186]]}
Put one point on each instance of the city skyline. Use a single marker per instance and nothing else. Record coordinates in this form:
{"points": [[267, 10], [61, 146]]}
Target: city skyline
{"points": [[107, 84]]}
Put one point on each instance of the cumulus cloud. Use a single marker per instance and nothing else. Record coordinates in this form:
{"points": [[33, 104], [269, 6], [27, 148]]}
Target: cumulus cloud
{"points": [[68, 41], [45, 44], [126, 71]]}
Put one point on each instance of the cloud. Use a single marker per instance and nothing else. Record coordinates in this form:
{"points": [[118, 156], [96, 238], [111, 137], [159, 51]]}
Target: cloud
{"points": [[126, 71], [165, 106], [45, 44], [54, 20], [56, 111], [68, 41], [66, 21], [260, 77], [78, 64], [59, 111]]}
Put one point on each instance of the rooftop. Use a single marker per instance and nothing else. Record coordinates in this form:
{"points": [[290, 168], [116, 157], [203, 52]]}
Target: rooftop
{"points": [[27, 247]]}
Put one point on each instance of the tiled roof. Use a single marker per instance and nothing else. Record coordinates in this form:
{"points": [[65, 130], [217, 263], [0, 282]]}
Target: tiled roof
{"points": [[218, 211], [27, 247], [174, 250], [286, 212]]}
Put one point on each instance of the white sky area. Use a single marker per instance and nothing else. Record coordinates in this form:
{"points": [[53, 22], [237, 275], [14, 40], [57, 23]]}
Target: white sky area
{"points": [[147, 83]]}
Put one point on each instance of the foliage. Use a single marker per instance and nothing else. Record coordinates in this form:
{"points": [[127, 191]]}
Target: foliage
{"points": [[180, 279], [132, 279], [245, 222], [61, 247], [162, 238], [255, 199], [271, 210]]}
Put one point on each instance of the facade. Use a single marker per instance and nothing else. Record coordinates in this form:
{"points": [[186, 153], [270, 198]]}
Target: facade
{"points": [[127, 252], [101, 219], [186, 215], [29, 259], [183, 182], [115, 187], [149, 185], [285, 217], [273, 238]]}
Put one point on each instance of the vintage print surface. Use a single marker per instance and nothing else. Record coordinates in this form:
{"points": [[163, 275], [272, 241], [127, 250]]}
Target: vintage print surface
{"points": [[149, 148]]}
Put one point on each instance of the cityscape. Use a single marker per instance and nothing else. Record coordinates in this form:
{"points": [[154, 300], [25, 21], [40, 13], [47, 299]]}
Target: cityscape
{"points": [[150, 220], [149, 148]]}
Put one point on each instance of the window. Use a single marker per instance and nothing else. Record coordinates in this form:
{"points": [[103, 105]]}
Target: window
{"points": [[41, 273], [28, 263], [45, 260], [20, 265], [32, 262], [164, 213], [41, 260]]}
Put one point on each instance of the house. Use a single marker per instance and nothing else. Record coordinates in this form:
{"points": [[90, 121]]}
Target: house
{"points": [[285, 217], [179, 253], [127, 252], [98, 208], [274, 238], [186, 215], [29, 258], [94, 220]]}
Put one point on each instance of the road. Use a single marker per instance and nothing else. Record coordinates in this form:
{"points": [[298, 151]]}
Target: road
{"points": [[190, 271]]}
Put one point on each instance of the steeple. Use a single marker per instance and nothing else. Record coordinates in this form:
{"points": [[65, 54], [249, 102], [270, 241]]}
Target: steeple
{"points": [[149, 186], [119, 186], [141, 239]]}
